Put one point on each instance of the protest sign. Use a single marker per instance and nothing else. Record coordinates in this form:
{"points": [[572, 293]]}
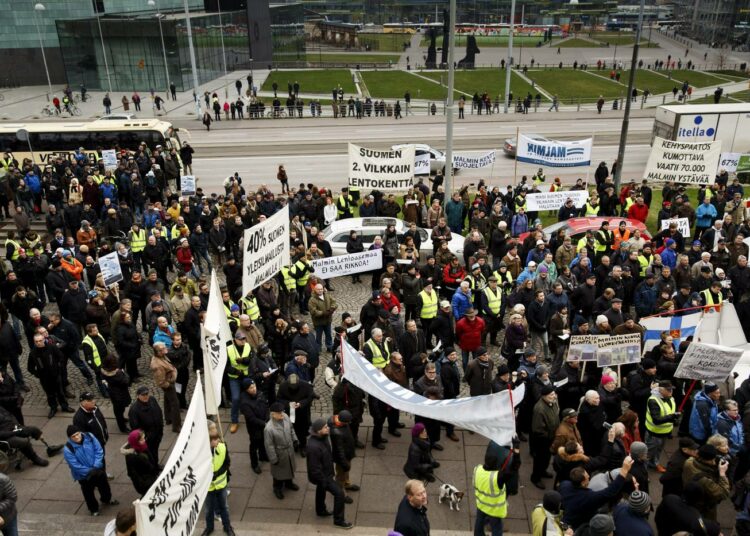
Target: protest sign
{"points": [[341, 265], [215, 336], [187, 185], [707, 362], [729, 162], [582, 348], [266, 250], [422, 164], [618, 350], [554, 200], [173, 503], [683, 225], [109, 158], [554, 153], [372, 169], [110, 267], [461, 161], [681, 161]]}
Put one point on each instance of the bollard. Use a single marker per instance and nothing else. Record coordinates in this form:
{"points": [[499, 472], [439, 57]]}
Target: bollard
{"points": [[578, 109]]}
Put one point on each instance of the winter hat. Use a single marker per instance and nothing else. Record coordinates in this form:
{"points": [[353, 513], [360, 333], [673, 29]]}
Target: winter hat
{"points": [[710, 388], [481, 351], [543, 269], [639, 502], [669, 242], [72, 429], [601, 319], [547, 390], [417, 429], [277, 407], [541, 370], [345, 416], [345, 316], [601, 525], [134, 440], [502, 370], [638, 450], [707, 452], [552, 501], [317, 425], [246, 383], [606, 378], [648, 363], [449, 350]]}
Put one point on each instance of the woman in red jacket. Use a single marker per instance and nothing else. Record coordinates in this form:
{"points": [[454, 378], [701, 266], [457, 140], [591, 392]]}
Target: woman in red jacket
{"points": [[185, 257], [453, 274]]}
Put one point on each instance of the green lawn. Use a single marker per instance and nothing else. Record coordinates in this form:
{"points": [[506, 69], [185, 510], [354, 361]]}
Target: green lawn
{"points": [[393, 85], [384, 42], [322, 81], [571, 85], [575, 42], [658, 83], [486, 40], [695, 78], [491, 81], [742, 96], [737, 75], [350, 58]]}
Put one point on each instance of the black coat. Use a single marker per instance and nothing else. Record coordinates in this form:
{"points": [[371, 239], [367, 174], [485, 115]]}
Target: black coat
{"points": [[73, 306], [419, 461], [142, 469], [92, 422], [255, 411], [411, 521], [347, 396], [148, 417], [450, 377], [57, 283], [67, 337], [44, 363], [128, 340], [591, 425], [342, 445], [118, 385], [319, 459], [10, 344]]}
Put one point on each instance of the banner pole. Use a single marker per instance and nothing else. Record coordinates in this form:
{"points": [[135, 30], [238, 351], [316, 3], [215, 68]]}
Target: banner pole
{"points": [[218, 413], [515, 165], [583, 371], [687, 395], [619, 377], [492, 169]]}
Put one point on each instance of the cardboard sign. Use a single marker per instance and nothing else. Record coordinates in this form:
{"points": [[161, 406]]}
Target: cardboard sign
{"points": [[111, 271], [187, 184], [373, 169], [473, 162], [683, 225], [109, 157], [554, 200], [680, 161], [707, 362], [266, 250]]}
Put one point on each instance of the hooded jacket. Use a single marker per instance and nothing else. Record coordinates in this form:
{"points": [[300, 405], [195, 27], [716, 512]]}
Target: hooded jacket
{"points": [[83, 457], [703, 417]]}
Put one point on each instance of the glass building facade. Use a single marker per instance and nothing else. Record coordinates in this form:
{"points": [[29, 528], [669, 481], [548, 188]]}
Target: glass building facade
{"points": [[288, 32], [134, 55]]}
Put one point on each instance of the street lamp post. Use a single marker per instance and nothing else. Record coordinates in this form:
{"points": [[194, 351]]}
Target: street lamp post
{"points": [[104, 50], [192, 60], [153, 3], [509, 64], [39, 8]]}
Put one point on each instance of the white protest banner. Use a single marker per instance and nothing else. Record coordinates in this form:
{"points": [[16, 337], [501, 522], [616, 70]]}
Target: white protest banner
{"points": [[109, 157], [681, 161], [490, 415], [187, 184], [422, 164], [729, 162], [373, 169], [461, 161], [707, 362], [554, 153], [215, 336], [341, 265], [618, 350], [554, 200], [266, 250], [683, 225], [111, 271], [173, 503]]}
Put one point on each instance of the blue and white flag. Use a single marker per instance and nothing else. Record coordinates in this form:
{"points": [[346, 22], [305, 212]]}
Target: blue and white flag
{"points": [[490, 415], [679, 327], [554, 153]]}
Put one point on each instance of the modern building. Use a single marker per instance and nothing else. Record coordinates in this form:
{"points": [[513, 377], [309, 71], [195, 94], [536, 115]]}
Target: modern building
{"points": [[714, 21]]}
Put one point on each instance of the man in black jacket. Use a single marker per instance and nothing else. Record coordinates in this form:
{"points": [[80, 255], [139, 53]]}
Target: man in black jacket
{"points": [[89, 418], [73, 304], [146, 414], [19, 437], [411, 517], [68, 339], [442, 326], [671, 480], [255, 410], [45, 361], [297, 395], [349, 397], [57, 281], [639, 386], [320, 472], [343, 448]]}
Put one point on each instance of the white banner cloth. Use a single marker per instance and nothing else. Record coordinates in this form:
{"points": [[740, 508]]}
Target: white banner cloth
{"points": [[554, 200], [554, 153], [682, 161], [354, 263], [215, 335], [373, 169]]}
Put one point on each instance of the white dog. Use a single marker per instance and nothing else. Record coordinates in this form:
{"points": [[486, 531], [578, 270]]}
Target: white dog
{"points": [[452, 494]]}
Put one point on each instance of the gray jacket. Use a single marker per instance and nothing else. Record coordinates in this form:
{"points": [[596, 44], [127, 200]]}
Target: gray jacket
{"points": [[279, 437]]}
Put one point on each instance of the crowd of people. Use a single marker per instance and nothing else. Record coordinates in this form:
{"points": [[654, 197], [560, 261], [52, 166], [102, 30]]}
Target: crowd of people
{"points": [[503, 313]]}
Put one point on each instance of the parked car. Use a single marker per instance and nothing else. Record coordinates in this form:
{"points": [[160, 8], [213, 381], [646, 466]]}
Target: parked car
{"points": [[368, 228], [577, 227], [510, 145], [437, 157]]}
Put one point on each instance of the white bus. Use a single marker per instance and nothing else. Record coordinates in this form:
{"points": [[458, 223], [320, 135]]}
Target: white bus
{"points": [[50, 140]]}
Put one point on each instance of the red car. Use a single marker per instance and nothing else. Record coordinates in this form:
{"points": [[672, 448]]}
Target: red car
{"points": [[577, 227]]}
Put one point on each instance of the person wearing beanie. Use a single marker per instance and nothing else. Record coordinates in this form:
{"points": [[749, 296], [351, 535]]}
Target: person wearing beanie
{"points": [[546, 517], [280, 441], [640, 384], [502, 381], [600, 525], [343, 448], [255, 410], [85, 458], [142, 468], [420, 464], [711, 474], [320, 471], [704, 416], [544, 422], [639, 471]]}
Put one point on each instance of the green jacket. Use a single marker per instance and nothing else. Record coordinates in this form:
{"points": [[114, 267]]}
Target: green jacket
{"points": [[545, 420]]}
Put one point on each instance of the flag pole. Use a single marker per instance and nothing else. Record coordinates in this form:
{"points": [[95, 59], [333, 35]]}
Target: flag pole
{"points": [[515, 166], [687, 395]]}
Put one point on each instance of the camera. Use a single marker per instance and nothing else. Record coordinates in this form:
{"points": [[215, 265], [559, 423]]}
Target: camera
{"points": [[606, 426], [724, 458]]}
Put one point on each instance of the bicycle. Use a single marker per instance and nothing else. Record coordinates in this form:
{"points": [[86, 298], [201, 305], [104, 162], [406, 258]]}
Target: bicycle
{"points": [[275, 114], [72, 110], [49, 110]]}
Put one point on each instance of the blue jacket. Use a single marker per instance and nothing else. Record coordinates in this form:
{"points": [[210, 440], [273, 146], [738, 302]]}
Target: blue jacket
{"points": [[150, 219], [626, 522], [536, 255], [166, 338], [530, 368], [83, 457], [703, 418], [519, 224], [33, 182], [523, 276], [460, 303], [645, 299], [455, 214], [705, 215], [581, 504], [732, 430], [669, 257]]}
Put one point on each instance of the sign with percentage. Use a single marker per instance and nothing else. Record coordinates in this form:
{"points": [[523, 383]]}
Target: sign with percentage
{"points": [[266, 248]]}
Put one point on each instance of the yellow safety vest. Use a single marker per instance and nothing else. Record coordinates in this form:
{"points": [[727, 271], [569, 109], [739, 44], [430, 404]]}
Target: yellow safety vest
{"points": [[597, 245], [629, 202], [520, 206], [429, 305], [138, 241], [665, 408], [539, 179], [32, 244], [502, 278], [16, 247], [289, 281], [228, 308], [234, 355], [591, 211], [88, 341], [474, 283], [581, 244], [494, 300], [345, 206], [378, 361], [490, 499], [644, 262], [221, 479], [710, 299], [98, 179], [556, 187], [300, 265], [250, 307], [174, 233]]}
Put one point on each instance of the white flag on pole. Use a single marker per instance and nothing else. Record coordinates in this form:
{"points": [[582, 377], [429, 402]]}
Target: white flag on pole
{"points": [[215, 335], [173, 503]]}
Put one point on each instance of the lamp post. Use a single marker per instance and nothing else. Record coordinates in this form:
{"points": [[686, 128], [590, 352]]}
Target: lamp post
{"points": [[39, 8], [153, 3], [104, 50], [192, 60]]}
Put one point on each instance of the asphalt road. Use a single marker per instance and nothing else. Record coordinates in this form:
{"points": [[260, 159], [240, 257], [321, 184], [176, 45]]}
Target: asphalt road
{"points": [[315, 151]]}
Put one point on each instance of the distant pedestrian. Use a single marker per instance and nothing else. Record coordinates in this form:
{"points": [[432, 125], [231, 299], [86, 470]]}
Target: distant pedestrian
{"points": [[207, 120], [238, 85], [145, 414], [555, 104], [397, 110], [107, 102], [600, 104], [216, 500], [136, 99], [173, 91]]}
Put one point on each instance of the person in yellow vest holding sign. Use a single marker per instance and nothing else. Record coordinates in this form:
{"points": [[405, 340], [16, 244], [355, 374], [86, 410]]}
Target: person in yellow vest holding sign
{"points": [[490, 495], [712, 297], [345, 204], [216, 500], [660, 419]]}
